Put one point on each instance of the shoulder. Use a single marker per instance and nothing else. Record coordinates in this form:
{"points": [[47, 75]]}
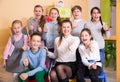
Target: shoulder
{"points": [[42, 49], [31, 19], [26, 52], [93, 42], [47, 23], [74, 37], [81, 47], [57, 39]]}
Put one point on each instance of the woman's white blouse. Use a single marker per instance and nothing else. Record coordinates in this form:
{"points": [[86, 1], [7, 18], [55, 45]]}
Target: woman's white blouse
{"points": [[66, 52]]}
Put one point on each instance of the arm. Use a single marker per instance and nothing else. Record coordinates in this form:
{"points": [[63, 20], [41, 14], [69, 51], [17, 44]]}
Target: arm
{"points": [[41, 65], [95, 51], [83, 55], [74, 45], [26, 40], [7, 48]]}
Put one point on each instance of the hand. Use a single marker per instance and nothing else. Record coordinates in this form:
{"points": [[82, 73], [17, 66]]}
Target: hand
{"points": [[91, 48], [94, 66], [69, 45], [24, 76], [31, 27], [25, 62], [45, 29], [4, 63], [39, 29], [106, 27], [25, 47], [46, 49]]}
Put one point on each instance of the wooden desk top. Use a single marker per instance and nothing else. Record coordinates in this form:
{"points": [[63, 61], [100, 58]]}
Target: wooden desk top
{"points": [[111, 38]]}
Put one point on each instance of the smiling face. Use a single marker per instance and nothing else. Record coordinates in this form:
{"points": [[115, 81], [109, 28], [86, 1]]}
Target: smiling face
{"points": [[35, 42], [17, 28], [66, 28], [95, 14], [76, 14], [54, 14], [85, 37], [38, 12]]}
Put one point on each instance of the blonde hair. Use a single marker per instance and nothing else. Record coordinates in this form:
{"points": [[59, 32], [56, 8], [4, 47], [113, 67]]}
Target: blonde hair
{"points": [[17, 21]]}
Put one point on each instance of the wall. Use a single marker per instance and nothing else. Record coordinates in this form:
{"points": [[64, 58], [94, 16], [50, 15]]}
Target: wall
{"points": [[23, 9], [91, 4], [118, 39]]}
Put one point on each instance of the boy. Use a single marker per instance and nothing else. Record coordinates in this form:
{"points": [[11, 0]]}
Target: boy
{"points": [[34, 59]]}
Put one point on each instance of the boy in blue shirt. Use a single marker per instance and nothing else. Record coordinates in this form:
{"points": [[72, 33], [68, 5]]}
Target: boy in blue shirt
{"points": [[34, 59]]}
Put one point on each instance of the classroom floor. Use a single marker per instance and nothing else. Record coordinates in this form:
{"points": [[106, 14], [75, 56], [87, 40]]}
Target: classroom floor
{"points": [[111, 74]]}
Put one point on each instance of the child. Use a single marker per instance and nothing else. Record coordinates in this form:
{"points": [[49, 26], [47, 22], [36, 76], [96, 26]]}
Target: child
{"points": [[65, 54], [89, 52], [77, 22], [36, 24], [35, 60], [78, 25], [96, 25], [16, 44], [51, 29]]}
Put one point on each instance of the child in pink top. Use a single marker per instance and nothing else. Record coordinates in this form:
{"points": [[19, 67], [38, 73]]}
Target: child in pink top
{"points": [[16, 44]]}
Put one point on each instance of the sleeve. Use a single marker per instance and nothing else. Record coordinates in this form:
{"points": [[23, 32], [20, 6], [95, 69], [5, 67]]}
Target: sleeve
{"points": [[84, 56], [29, 22], [41, 65], [95, 52], [7, 48], [55, 54], [26, 41], [44, 33], [24, 55], [75, 44]]}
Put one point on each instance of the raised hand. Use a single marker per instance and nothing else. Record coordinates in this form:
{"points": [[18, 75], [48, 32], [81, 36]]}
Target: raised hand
{"points": [[26, 62]]}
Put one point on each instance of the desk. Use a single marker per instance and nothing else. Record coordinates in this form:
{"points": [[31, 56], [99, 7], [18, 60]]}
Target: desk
{"points": [[110, 49], [111, 38]]}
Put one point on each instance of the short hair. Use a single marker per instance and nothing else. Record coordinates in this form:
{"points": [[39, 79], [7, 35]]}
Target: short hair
{"points": [[76, 7], [35, 34]]}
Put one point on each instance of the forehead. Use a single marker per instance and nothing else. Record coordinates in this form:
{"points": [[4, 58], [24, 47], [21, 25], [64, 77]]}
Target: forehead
{"points": [[36, 37], [76, 9], [85, 32], [16, 24], [38, 8]]}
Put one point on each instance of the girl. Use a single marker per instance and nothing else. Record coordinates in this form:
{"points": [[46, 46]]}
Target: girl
{"points": [[97, 27], [89, 52], [34, 59], [64, 53], [36, 24], [51, 29], [16, 44]]}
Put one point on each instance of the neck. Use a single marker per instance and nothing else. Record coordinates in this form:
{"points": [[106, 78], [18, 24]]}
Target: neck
{"points": [[65, 36], [95, 21], [34, 50]]}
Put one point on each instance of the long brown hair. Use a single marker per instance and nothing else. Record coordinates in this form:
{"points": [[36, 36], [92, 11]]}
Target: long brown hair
{"points": [[42, 19], [99, 11], [58, 18], [61, 35]]}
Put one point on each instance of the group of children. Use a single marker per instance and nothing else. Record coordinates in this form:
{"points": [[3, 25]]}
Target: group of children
{"points": [[74, 44]]}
